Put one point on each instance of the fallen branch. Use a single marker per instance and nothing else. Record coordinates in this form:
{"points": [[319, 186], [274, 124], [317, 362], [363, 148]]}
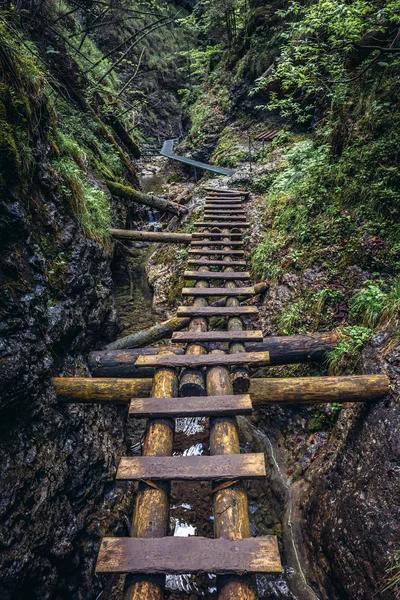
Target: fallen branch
{"points": [[152, 236], [160, 204]]}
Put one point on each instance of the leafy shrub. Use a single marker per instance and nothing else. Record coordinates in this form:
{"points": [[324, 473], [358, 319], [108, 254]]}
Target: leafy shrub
{"points": [[344, 358], [367, 305]]}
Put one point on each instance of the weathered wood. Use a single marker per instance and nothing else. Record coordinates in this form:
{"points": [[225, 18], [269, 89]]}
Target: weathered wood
{"points": [[217, 275], [211, 311], [195, 406], [223, 201], [216, 252], [216, 336], [244, 291], [113, 363], [175, 555], [216, 234], [318, 390], [208, 216], [215, 263], [203, 243], [190, 468], [224, 210], [231, 224], [99, 390], [151, 513], [226, 191], [292, 349], [205, 360], [152, 236], [160, 204], [213, 206]]}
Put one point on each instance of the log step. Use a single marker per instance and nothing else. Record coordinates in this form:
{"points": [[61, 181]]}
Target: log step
{"points": [[207, 216], [215, 311], [217, 243], [216, 275], [224, 209], [237, 224], [214, 206], [192, 468], [174, 555], [216, 252], [201, 406], [216, 263], [189, 337], [216, 234], [203, 360], [217, 291], [224, 201]]}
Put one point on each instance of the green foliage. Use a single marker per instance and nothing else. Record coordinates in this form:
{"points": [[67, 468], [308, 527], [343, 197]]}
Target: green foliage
{"points": [[266, 258], [372, 305], [88, 204], [290, 319], [392, 579], [344, 358], [228, 153], [318, 43]]}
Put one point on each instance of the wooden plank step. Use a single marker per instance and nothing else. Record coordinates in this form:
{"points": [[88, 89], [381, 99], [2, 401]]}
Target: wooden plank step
{"points": [[224, 217], [216, 252], [230, 224], [228, 213], [216, 275], [218, 291], [217, 243], [216, 263], [201, 406], [203, 360], [189, 337], [216, 311], [194, 555], [216, 234], [231, 207], [192, 468], [224, 201]]}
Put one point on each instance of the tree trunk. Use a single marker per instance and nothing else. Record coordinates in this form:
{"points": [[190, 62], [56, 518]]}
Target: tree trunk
{"points": [[158, 203], [152, 236]]}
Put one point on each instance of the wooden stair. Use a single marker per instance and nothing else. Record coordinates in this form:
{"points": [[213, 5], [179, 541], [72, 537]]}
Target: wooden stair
{"points": [[202, 337], [216, 243], [216, 252], [206, 292], [229, 224], [216, 275], [193, 555], [215, 311], [189, 468], [203, 360], [216, 263], [201, 406]]}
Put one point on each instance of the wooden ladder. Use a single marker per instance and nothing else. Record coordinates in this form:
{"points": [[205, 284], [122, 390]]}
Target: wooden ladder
{"points": [[199, 383]]}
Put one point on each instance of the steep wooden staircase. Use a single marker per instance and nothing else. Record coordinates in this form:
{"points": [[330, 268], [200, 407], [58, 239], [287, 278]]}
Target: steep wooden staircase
{"points": [[201, 382]]}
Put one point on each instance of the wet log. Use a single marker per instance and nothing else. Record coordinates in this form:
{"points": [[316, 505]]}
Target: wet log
{"points": [[318, 390], [151, 513], [160, 204], [99, 390], [284, 350], [152, 236], [165, 329], [125, 137]]}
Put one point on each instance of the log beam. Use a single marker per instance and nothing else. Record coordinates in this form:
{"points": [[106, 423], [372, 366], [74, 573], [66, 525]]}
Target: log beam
{"points": [[152, 236], [160, 204]]}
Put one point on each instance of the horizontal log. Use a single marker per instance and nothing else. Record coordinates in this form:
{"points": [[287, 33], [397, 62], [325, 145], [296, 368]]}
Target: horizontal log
{"points": [[318, 390], [160, 204], [102, 391], [216, 252], [204, 360], [197, 406], [221, 200], [174, 555], [210, 217], [114, 363], [204, 337], [211, 311], [216, 275], [152, 236], [204, 243], [292, 349], [192, 468], [217, 291], [216, 234], [230, 225], [216, 263], [223, 206], [263, 391], [226, 191]]}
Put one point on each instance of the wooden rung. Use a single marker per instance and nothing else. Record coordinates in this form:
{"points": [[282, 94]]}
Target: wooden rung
{"points": [[216, 252], [224, 201], [216, 263], [201, 406], [189, 468], [229, 224], [189, 337], [217, 243], [224, 208], [224, 205], [175, 555], [216, 311], [216, 234], [218, 291], [226, 217], [203, 360], [216, 275]]}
